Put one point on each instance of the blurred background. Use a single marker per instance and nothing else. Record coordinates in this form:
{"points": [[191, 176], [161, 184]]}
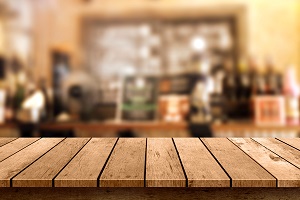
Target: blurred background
{"points": [[149, 68]]}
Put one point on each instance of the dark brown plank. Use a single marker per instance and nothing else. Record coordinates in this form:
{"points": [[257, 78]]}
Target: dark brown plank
{"points": [[4, 141], [163, 168], [41, 172], [85, 167], [243, 171], [149, 193], [201, 168], [283, 150], [15, 146], [126, 166], [287, 175], [17, 162]]}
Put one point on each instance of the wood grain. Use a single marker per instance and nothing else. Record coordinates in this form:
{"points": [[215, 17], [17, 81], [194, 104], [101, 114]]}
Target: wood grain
{"points": [[243, 171], [85, 167], [286, 174], [4, 141], [126, 166], [41, 172], [15, 146], [149, 193], [17, 162], [295, 142], [285, 151], [152, 162], [163, 168], [201, 168]]}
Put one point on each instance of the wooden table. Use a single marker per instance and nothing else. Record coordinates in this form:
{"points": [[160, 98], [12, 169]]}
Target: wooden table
{"points": [[205, 166]]}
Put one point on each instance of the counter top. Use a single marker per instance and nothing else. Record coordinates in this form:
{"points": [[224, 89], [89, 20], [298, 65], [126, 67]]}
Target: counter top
{"points": [[155, 125], [152, 129], [149, 162]]}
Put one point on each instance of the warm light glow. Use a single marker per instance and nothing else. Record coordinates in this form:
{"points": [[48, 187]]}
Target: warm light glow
{"points": [[140, 83], [198, 44]]}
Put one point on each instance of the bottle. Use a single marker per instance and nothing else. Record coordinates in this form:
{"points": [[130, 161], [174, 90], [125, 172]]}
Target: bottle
{"points": [[273, 79], [230, 89], [9, 111], [243, 80], [258, 78], [46, 112], [200, 96], [19, 95], [291, 93], [244, 89], [2, 90], [254, 83], [217, 96], [2, 101]]}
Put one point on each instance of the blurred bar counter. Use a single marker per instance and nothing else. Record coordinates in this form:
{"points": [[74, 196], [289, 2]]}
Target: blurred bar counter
{"points": [[147, 129]]}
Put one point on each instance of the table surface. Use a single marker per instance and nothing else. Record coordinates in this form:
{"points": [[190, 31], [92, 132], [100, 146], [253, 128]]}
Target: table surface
{"points": [[149, 162]]}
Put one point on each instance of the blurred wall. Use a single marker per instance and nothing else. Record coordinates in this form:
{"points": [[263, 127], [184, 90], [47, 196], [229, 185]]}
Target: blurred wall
{"points": [[268, 27]]}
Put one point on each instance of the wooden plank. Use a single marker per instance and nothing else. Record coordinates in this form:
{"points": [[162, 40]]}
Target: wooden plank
{"points": [[295, 142], [201, 168], [85, 167], [15, 146], [17, 162], [287, 175], [41, 172], [4, 141], [126, 166], [285, 151], [149, 193], [243, 171], [163, 168]]}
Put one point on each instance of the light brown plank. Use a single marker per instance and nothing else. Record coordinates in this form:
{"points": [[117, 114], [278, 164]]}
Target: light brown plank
{"points": [[126, 166], [163, 168], [17, 162], [85, 167], [283, 150], [41, 172], [286, 174], [4, 141], [243, 171], [295, 142], [201, 168], [15, 146]]}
